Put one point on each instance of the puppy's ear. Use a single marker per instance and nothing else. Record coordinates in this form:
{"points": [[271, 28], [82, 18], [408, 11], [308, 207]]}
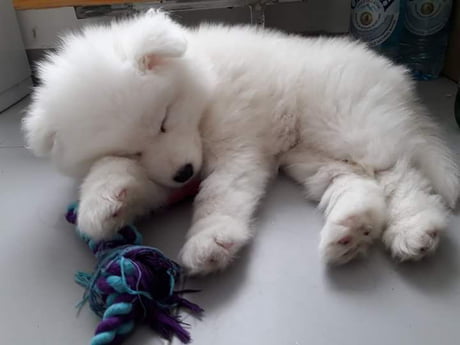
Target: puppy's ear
{"points": [[158, 55], [153, 38]]}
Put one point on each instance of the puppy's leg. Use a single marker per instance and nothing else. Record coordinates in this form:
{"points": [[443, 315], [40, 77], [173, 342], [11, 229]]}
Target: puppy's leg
{"points": [[416, 215], [223, 211], [352, 201], [114, 192]]}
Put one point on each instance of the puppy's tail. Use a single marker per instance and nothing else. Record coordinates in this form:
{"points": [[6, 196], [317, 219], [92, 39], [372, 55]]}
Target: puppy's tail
{"points": [[38, 133], [437, 163]]}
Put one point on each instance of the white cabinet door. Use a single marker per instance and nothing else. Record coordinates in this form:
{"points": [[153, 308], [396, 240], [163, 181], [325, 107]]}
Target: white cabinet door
{"points": [[14, 69]]}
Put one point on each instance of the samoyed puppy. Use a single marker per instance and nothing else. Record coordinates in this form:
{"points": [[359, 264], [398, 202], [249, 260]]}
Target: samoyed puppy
{"points": [[138, 108]]}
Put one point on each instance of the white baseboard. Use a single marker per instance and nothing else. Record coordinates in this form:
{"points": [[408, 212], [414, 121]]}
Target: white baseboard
{"points": [[18, 91]]}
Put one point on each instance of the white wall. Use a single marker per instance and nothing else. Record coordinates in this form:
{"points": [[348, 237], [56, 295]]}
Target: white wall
{"points": [[14, 68], [41, 28]]}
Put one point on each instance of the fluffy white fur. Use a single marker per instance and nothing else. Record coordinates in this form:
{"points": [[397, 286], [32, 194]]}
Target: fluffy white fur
{"points": [[125, 106]]}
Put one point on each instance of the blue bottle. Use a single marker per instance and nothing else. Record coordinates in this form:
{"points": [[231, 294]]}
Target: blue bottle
{"points": [[379, 23], [425, 36]]}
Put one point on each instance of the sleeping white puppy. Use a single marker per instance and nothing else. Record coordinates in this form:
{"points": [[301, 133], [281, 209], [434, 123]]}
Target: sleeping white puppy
{"points": [[139, 107]]}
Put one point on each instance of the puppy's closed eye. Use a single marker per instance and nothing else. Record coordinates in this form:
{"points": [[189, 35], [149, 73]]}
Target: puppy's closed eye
{"points": [[163, 123], [163, 126]]}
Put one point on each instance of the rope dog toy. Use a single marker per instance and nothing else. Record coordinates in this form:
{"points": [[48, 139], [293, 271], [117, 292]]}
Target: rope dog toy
{"points": [[130, 283]]}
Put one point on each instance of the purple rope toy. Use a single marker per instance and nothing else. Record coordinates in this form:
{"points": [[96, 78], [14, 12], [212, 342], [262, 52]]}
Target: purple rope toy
{"points": [[131, 283]]}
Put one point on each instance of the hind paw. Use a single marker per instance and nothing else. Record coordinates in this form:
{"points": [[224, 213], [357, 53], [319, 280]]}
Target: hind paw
{"points": [[412, 243], [346, 239]]}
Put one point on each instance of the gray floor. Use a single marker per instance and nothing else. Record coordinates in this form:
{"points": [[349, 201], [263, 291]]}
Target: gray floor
{"points": [[278, 292]]}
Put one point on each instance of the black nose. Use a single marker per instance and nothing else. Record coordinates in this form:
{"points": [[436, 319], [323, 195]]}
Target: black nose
{"points": [[184, 173]]}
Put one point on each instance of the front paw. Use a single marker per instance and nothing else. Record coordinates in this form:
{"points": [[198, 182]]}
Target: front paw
{"points": [[213, 244], [101, 215]]}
